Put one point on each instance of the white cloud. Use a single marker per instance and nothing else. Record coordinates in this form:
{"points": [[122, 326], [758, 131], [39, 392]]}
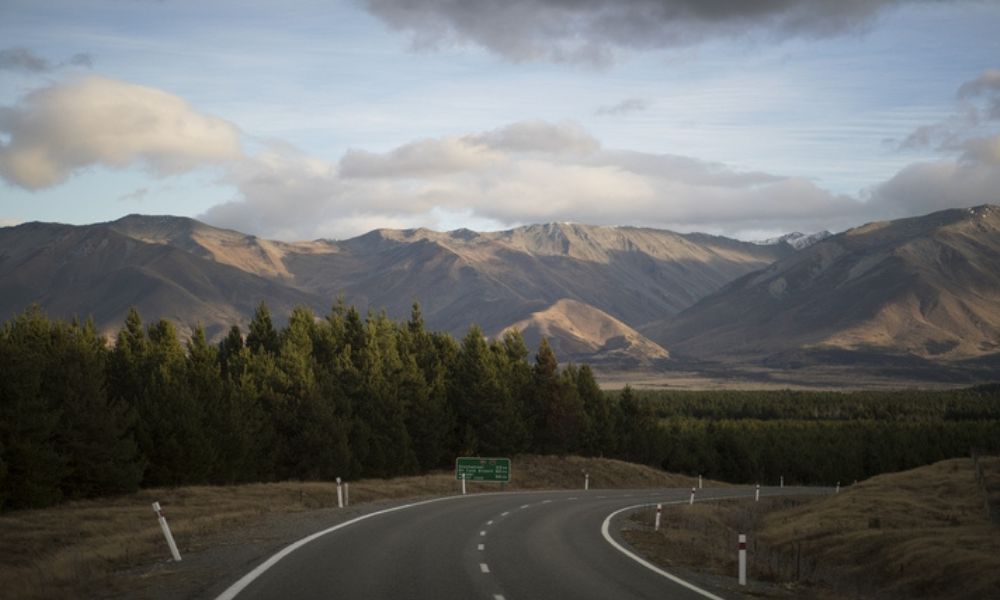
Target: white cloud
{"points": [[98, 121], [9, 222]]}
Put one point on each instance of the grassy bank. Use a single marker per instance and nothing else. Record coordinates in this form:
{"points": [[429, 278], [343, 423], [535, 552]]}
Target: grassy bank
{"points": [[921, 533], [90, 548]]}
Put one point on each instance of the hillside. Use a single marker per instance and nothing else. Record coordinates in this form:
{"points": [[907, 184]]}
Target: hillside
{"points": [[926, 287], [582, 332], [189, 272]]}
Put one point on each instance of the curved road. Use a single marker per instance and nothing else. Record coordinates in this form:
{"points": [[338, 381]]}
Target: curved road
{"points": [[503, 546]]}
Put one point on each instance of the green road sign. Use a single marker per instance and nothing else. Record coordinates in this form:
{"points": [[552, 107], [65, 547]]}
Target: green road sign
{"points": [[482, 469]]}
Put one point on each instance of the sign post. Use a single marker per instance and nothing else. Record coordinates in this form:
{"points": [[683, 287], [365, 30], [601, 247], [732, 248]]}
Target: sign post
{"points": [[474, 468]]}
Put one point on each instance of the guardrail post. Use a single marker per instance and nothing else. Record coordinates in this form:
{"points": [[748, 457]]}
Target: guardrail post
{"points": [[656, 523], [340, 494], [743, 558], [166, 532]]}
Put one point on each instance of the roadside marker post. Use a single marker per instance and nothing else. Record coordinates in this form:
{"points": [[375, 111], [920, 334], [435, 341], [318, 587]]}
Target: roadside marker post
{"points": [[586, 481], [743, 558], [756, 495], [699, 482], [837, 491], [166, 532], [347, 494], [340, 494], [463, 484], [691, 501], [656, 524], [782, 481]]}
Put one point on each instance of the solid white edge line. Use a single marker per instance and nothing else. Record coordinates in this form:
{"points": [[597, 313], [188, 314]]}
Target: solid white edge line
{"points": [[249, 578], [605, 531]]}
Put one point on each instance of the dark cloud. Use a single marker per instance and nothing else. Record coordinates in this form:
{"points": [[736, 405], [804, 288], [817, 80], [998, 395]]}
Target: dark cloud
{"points": [[629, 105], [592, 31], [22, 59]]}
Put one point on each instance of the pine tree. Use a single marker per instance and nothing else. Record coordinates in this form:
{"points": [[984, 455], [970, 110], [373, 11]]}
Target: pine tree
{"points": [[95, 431], [28, 418], [262, 336]]}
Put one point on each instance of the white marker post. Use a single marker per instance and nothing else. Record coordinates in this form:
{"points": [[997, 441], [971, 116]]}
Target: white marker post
{"points": [[756, 495], [463, 484], [743, 559], [347, 494], [691, 501], [781, 481], [656, 523], [699, 482], [166, 532], [586, 481], [837, 491], [340, 494]]}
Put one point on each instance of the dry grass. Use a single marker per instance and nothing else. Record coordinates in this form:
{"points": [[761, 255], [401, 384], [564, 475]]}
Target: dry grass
{"points": [[82, 549], [916, 534]]}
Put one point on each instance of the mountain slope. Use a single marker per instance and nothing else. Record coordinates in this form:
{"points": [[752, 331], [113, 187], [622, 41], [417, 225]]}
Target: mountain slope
{"points": [[926, 286], [581, 332], [98, 271]]}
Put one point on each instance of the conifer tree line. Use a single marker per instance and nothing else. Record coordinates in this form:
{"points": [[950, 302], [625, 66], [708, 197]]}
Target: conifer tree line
{"points": [[338, 396], [355, 396]]}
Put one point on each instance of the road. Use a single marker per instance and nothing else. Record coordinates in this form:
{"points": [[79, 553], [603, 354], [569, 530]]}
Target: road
{"points": [[505, 546]]}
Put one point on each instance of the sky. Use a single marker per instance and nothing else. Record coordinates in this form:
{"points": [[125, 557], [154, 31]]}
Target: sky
{"points": [[326, 119]]}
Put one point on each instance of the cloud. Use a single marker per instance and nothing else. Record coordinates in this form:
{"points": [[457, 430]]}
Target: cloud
{"points": [[98, 121], [539, 136], [971, 129], [524, 172], [134, 196], [22, 59], [594, 31], [629, 105], [9, 222]]}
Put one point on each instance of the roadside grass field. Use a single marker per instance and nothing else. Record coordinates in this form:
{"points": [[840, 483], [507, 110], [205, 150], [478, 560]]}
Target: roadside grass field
{"points": [[922, 533], [91, 548]]}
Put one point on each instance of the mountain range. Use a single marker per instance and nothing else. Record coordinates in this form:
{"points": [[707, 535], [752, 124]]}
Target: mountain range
{"points": [[925, 287]]}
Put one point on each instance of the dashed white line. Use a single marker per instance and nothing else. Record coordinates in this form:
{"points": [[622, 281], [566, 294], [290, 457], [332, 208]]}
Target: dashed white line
{"points": [[482, 533], [504, 514], [484, 567], [525, 505], [489, 522], [498, 597], [482, 547]]}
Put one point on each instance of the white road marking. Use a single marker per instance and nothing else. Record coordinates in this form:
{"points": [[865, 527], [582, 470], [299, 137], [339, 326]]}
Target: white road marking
{"points": [[489, 522], [605, 531], [482, 533], [249, 578], [504, 514], [484, 567], [573, 498], [525, 505], [498, 597], [482, 547], [546, 501]]}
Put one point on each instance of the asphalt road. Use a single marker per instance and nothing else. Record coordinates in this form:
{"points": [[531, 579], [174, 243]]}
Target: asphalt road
{"points": [[509, 546]]}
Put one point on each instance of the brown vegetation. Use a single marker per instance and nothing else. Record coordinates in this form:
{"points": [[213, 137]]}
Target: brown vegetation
{"points": [[917, 534]]}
